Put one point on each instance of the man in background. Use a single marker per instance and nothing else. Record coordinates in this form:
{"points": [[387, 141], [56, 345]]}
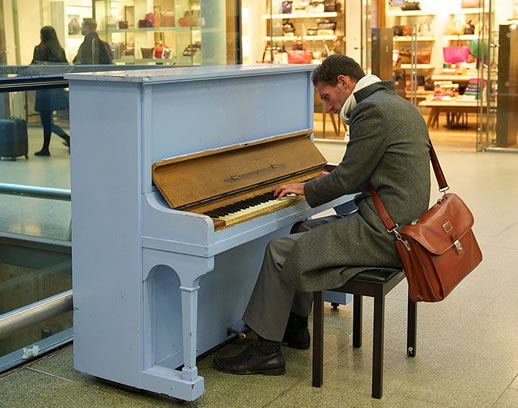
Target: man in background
{"points": [[92, 50]]}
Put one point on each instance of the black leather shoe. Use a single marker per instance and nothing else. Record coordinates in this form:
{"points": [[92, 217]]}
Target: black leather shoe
{"points": [[42, 153], [296, 334], [252, 361]]}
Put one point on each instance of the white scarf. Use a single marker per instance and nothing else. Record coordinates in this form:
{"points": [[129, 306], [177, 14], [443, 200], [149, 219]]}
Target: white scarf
{"points": [[350, 103]]}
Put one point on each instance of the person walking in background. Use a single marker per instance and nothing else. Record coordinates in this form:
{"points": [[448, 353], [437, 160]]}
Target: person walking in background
{"points": [[92, 50], [49, 51]]}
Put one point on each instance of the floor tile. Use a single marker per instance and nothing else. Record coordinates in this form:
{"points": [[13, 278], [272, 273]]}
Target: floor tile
{"points": [[60, 364], [27, 388], [509, 399]]}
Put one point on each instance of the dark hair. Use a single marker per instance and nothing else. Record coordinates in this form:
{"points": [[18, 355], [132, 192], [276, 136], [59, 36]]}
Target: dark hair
{"points": [[335, 65], [51, 45], [90, 23]]}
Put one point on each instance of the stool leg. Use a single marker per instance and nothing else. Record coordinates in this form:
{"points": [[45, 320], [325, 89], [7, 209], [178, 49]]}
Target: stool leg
{"points": [[357, 320], [378, 345], [318, 339], [411, 337]]}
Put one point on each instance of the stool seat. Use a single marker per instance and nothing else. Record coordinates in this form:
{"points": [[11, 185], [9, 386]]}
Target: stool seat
{"points": [[376, 283], [377, 275]]}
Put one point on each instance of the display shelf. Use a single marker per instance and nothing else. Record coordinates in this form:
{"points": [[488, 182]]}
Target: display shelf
{"points": [[465, 37], [453, 78], [467, 11], [300, 15], [144, 60], [401, 13], [409, 38], [305, 38], [418, 66], [149, 30]]}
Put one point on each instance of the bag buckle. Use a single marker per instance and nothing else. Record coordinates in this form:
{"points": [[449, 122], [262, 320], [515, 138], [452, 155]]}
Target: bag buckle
{"points": [[399, 237], [458, 247]]}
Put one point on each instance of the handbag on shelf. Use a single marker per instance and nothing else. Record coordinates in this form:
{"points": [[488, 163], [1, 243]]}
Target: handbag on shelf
{"points": [[159, 49], [167, 18], [326, 25], [424, 56], [316, 6], [146, 52], [410, 6], [191, 18], [470, 3], [454, 55], [469, 28], [439, 249], [299, 55], [329, 6], [123, 25], [154, 18], [287, 7], [145, 23]]}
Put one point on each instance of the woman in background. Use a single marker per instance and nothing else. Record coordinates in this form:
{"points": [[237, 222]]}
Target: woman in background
{"points": [[49, 51]]}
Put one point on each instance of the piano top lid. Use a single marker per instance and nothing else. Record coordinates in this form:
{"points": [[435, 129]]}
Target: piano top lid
{"points": [[196, 178], [193, 73]]}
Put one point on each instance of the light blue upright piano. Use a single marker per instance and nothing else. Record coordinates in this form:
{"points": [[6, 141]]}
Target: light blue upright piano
{"points": [[155, 286]]}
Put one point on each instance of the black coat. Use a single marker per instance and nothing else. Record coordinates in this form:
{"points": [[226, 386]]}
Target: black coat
{"points": [[93, 50], [49, 99]]}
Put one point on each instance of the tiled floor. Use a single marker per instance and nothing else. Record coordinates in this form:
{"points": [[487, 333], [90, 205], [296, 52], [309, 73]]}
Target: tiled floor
{"points": [[467, 350]]}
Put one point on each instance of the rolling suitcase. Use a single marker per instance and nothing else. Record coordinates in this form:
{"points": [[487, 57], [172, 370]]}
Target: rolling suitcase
{"points": [[13, 138]]}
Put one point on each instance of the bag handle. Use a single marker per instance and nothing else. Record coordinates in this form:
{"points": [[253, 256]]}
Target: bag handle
{"points": [[380, 208]]}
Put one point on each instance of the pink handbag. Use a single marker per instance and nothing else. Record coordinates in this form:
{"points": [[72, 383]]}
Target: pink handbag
{"points": [[454, 55]]}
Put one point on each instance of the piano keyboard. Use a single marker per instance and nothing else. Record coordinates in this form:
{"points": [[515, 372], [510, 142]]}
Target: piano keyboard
{"points": [[252, 207]]}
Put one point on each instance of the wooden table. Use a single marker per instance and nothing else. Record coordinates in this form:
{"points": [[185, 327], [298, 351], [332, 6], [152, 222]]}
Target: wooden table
{"points": [[456, 111]]}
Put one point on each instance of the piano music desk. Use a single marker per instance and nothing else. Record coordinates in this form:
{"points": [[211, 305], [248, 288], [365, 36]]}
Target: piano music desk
{"points": [[155, 287]]}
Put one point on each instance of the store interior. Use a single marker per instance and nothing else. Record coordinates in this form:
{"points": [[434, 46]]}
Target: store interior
{"points": [[451, 59]]}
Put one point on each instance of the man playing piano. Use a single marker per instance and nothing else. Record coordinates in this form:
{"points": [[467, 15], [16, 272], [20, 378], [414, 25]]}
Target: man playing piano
{"points": [[389, 150]]}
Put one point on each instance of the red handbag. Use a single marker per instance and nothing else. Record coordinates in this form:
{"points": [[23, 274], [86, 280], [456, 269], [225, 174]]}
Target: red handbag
{"points": [[439, 249], [299, 55]]}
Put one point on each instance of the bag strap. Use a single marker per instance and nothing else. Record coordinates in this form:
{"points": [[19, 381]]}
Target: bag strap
{"points": [[380, 208]]}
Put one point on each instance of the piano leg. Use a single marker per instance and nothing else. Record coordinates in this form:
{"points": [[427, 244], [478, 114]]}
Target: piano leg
{"points": [[189, 326], [158, 376]]}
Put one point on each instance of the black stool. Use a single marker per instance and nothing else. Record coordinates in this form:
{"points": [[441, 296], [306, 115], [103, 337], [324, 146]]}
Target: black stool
{"points": [[375, 283]]}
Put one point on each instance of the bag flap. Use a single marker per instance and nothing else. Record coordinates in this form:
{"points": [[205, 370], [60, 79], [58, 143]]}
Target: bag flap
{"points": [[441, 225]]}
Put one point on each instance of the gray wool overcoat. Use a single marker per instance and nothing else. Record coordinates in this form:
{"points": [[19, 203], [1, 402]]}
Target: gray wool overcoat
{"points": [[389, 149]]}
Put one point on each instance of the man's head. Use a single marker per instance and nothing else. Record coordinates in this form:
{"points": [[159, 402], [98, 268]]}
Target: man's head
{"points": [[335, 80], [88, 26]]}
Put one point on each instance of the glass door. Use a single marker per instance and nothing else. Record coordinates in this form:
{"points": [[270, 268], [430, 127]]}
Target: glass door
{"points": [[499, 110]]}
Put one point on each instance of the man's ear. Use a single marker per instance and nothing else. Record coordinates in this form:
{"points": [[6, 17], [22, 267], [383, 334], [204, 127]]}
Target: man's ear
{"points": [[343, 79]]}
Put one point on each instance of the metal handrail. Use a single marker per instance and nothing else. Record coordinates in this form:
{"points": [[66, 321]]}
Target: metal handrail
{"points": [[35, 313], [35, 192]]}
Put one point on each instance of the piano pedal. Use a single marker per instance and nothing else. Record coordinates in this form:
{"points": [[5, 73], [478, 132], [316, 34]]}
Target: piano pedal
{"points": [[238, 333]]}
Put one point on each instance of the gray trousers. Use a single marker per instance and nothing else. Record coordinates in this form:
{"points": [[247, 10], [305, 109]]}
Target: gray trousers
{"points": [[269, 306]]}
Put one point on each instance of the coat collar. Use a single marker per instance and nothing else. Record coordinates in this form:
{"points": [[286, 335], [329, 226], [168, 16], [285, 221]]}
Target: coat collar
{"points": [[369, 90]]}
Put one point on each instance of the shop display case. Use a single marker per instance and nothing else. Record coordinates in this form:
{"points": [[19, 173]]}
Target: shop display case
{"points": [[423, 38], [151, 31], [302, 31]]}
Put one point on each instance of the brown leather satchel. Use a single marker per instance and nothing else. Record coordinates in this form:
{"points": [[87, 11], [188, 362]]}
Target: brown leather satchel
{"points": [[439, 249]]}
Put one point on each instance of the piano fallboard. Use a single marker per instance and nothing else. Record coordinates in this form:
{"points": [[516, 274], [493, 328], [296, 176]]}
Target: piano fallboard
{"points": [[235, 183]]}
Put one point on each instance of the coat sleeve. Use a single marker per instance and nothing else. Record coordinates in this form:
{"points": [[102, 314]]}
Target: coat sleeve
{"points": [[367, 144]]}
